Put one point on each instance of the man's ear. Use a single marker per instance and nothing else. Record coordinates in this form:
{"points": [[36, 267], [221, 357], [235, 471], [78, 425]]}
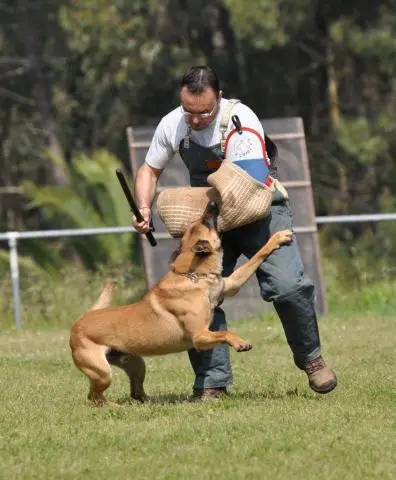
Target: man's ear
{"points": [[202, 247]]}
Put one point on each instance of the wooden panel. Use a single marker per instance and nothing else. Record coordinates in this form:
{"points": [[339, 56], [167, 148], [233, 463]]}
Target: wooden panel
{"points": [[293, 171], [293, 167]]}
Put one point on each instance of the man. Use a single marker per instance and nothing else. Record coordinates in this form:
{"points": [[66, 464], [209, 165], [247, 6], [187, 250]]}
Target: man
{"points": [[195, 130]]}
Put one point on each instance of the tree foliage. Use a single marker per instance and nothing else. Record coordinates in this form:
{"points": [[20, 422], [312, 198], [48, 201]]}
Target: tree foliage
{"points": [[75, 73], [92, 198]]}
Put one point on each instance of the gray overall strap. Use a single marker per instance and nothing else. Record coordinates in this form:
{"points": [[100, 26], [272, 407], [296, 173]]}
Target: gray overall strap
{"points": [[225, 120]]}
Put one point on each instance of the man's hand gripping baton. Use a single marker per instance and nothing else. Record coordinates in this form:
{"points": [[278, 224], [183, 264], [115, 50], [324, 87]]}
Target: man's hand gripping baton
{"points": [[134, 207]]}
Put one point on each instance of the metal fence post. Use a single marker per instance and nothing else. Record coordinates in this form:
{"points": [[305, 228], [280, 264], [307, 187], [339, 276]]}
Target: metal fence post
{"points": [[13, 244]]}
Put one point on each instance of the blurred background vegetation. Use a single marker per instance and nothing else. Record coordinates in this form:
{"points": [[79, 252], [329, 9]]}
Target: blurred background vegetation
{"points": [[75, 73]]}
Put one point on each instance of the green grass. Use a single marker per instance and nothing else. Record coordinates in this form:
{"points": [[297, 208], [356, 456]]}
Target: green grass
{"points": [[271, 427]]}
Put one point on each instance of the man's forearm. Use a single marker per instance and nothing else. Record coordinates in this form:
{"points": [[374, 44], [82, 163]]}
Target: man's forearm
{"points": [[145, 185]]}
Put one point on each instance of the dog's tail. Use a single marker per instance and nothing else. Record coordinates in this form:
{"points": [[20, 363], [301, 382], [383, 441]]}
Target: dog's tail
{"points": [[106, 296]]}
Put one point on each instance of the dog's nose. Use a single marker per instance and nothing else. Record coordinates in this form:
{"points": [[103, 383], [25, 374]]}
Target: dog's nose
{"points": [[213, 208], [210, 216]]}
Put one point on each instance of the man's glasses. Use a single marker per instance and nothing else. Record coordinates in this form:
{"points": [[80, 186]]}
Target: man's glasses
{"points": [[199, 115]]}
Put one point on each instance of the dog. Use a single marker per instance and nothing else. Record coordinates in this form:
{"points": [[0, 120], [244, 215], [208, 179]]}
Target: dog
{"points": [[173, 316]]}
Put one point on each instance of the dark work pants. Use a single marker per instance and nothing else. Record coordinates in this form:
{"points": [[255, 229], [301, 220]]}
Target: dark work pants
{"points": [[282, 281]]}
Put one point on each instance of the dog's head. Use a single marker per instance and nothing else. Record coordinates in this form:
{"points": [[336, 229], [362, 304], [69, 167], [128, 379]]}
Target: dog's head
{"points": [[200, 246]]}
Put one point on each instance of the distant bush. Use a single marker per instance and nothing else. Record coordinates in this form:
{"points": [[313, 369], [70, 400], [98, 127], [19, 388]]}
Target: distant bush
{"points": [[54, 302], [360, 273]]}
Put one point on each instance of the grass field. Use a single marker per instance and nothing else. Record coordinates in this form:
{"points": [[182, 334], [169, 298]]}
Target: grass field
{"points": [[272, 426]]}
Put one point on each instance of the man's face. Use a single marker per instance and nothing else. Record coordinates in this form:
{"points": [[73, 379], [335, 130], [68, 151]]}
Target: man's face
{"points": [[199, 108]]}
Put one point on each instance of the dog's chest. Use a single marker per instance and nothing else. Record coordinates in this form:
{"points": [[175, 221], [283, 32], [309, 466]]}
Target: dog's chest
{"points": [[215, 290]]}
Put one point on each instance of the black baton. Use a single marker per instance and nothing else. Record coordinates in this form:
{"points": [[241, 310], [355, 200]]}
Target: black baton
{"points": [[134, 207]]}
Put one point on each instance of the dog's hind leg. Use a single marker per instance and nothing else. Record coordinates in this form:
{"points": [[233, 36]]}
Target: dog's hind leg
{"points": [[137, 367], [134, 367], [92, 361]]}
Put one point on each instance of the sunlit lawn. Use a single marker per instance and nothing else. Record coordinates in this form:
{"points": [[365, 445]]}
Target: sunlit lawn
{"points": [[271, 427]]}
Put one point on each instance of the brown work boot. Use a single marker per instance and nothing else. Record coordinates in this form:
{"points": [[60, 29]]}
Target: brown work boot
{"points": [[208, 394], [321, 378]]}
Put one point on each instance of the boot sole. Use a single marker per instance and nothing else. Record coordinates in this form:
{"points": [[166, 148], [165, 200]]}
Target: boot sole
{"points": [[325, 389]]}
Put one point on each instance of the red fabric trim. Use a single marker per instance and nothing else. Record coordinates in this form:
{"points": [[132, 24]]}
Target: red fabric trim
{"points": [[213, 163]]}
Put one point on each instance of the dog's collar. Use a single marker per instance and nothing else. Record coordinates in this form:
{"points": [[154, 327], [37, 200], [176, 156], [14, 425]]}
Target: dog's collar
{"points": [[194, 276]]}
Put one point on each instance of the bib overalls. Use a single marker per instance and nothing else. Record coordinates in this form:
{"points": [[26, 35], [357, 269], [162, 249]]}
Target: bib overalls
{"points": [[281, 277]]}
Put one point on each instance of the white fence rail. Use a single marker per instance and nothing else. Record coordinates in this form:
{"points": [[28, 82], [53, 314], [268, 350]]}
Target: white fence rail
{"points": [[13, 237]]}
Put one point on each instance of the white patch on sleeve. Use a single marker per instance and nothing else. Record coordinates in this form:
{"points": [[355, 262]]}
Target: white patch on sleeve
{"points": [[242, 147]]}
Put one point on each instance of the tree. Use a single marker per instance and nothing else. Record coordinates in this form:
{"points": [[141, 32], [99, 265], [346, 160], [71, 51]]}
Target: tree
{"points": [[92, 198]]}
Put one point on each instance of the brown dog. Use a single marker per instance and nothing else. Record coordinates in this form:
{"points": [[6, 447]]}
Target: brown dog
{"points": [[173, 316]]}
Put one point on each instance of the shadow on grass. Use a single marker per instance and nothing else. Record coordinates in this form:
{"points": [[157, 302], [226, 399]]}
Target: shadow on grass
{"points": [[169, 399], [165, 399]]}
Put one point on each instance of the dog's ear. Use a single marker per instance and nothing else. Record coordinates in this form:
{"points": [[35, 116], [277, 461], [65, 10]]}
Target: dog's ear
{"points": [[174, 255], [202, 247]]}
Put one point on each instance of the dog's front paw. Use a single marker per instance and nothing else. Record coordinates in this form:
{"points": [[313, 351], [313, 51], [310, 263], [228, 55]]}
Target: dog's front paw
{"points": [[241, 345], [244, 347], [238, 343], [282, 237]]}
